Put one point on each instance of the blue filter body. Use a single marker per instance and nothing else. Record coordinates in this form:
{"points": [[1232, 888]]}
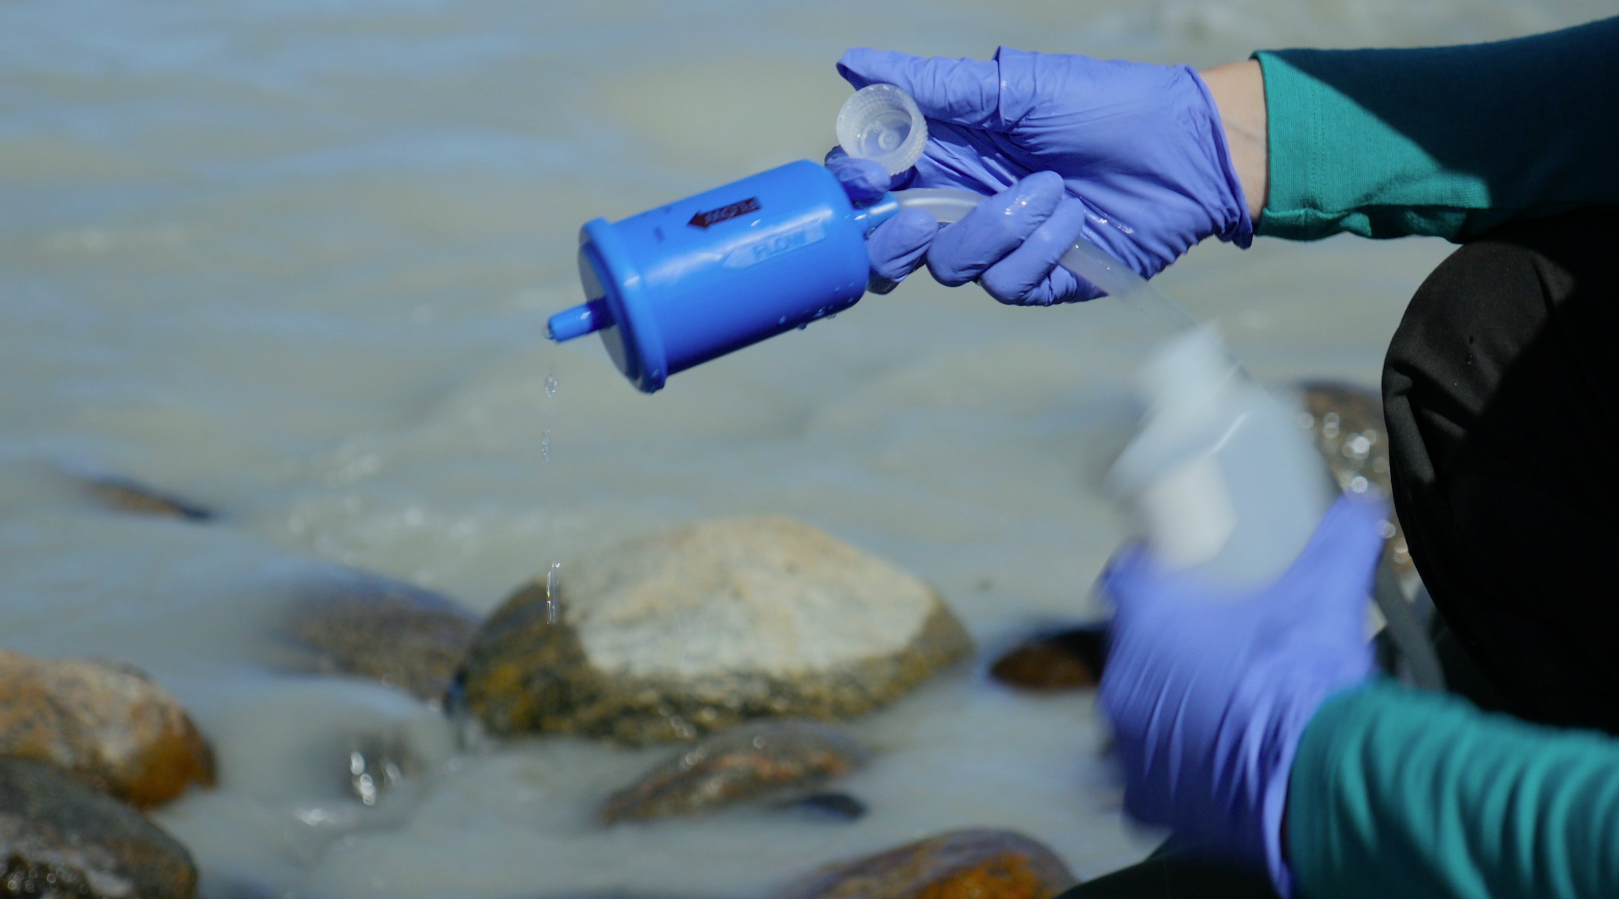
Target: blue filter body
{"points": [[684, 283]]}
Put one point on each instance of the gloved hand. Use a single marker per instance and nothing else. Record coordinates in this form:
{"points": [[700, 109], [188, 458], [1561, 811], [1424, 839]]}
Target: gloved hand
{"points": [[1140, 161], [1209, 692]]}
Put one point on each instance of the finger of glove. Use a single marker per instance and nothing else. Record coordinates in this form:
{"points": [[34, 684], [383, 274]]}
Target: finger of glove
{"points": [[995, 227], [962, 91], [1146, 712], [863, 180], [1030, 275], [897, 246]]}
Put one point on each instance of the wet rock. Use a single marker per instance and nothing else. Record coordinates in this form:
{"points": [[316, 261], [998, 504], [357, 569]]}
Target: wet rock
{"points": [[126, 495], [367, 626], [748, 762], [59, 839], [703, 627], [1069, 659], [108, 725], [962, 864], [839, 807], [1346, 422]]}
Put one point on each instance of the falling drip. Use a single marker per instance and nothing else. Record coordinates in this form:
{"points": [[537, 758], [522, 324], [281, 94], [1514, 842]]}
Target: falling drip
{"points": [[553, 583], [545, 445], [551, 385]]}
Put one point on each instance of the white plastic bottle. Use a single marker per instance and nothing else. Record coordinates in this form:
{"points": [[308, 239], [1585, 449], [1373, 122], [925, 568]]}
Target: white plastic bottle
{"points": [[1220, 478]]}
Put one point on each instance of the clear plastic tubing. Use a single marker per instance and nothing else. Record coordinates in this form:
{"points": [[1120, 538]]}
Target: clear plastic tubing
{"points": [[1084, 259]]}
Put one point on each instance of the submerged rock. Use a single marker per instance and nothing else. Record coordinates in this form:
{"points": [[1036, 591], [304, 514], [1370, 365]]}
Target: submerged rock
{"points": [[59, 838], [108, 725], [1346, 423], [745, 763], [962, 864], [839, 807], [125, 495], [367, 626], [1070, 659], [703, 627]]}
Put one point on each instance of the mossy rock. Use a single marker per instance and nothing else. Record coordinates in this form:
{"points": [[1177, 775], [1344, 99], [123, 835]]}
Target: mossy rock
{"points": [[701, 628]]}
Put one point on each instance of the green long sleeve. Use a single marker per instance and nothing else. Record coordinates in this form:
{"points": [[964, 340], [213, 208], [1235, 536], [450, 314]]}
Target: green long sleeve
{"points": [[1396, 793], [1445, 141]]}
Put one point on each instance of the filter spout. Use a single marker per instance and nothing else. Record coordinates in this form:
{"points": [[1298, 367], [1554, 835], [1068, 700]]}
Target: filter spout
{"points": [[579, 321]]}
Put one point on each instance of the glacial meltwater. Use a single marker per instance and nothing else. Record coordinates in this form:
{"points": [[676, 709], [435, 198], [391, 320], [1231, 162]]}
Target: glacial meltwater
{"points": [[291, 261]]}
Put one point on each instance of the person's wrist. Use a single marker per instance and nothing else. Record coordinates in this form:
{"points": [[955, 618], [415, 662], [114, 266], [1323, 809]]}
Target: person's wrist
{"points": [[1238, 90], [1299, 715]]}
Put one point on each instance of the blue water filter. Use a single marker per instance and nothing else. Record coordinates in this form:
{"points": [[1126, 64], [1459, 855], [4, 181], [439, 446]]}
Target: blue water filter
{"points": [[684, 283]]}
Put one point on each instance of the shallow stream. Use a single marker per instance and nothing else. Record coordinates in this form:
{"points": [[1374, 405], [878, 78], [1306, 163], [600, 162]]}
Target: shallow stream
{"points": [[292, 260]]}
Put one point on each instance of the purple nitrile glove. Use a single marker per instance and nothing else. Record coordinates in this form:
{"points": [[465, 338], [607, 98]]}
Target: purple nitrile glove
{"points": [[897, 246], [1209, 691], [1140, 161]]}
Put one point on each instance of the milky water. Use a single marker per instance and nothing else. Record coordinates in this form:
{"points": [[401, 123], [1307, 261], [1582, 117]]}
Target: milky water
{"points": [[293, 260]]}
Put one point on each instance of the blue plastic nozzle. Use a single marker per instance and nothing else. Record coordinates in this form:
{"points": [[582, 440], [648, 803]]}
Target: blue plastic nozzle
{"points": [[579, 321]]}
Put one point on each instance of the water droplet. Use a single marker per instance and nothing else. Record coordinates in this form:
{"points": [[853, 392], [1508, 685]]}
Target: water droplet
{"points": [[553, 584], [1386, 528], [805, 325], [551, 385], [545, 445], [1358, 484], [366, 787]]}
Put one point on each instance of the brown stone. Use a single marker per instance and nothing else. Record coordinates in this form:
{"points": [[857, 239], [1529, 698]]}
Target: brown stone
{"points": [[698, 629], [751, 761], [108, 725], [834, 806], [1070, 659], [367, 626], [59, 839], [962, 864], [1346, 423], [125, 495]]}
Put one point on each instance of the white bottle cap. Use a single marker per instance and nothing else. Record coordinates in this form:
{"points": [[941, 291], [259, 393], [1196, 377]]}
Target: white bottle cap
{"points": [[882, 123]]}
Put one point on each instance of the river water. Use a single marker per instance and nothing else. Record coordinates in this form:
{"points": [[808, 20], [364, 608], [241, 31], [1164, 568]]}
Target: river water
{"points": [[292, 260]]}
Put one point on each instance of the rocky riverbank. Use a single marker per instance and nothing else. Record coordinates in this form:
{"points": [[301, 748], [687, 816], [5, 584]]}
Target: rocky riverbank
{"points": [[746, 640]]}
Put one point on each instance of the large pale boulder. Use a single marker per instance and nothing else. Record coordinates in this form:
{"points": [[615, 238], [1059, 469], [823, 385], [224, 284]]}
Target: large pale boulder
{"points": [[698, 629], [108, 725]]}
